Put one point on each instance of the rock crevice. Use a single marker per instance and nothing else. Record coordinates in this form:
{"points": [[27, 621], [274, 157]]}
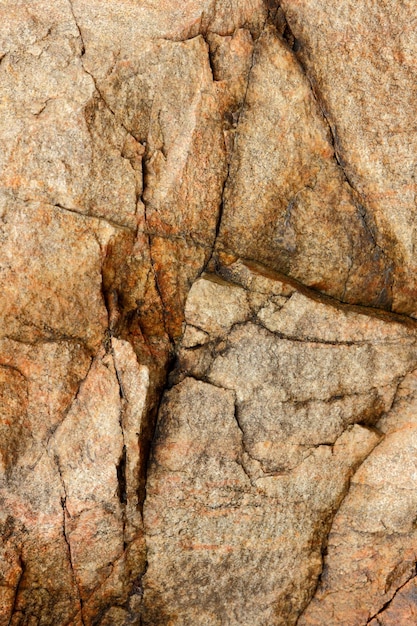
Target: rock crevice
{"points": [[207, 315]]}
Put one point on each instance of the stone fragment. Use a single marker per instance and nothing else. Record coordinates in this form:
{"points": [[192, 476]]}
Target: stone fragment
{"points": [[231, 306], [39, 383], [194, 337], [79, 459], [133, 381], [37, 581]]}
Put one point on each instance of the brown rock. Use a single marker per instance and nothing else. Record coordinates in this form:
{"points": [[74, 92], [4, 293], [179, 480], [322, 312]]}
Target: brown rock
{"points": [[287, 202], [251, 462], [143, 145], [401, 609], [373, 539], [359, 58], [52, 286]]}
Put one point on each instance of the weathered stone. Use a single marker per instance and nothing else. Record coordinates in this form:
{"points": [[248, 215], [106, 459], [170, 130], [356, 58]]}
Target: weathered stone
{"points": [[188, 192], [360, 60], [402, 608], [50, 264], [372, 545], [82, 489], [251, 462], [287, 202], [232, 306]]}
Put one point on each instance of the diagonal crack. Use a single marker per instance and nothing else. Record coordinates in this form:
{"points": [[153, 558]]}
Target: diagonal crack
{"points": [[98, 90], [121, 466], [235, 140], [71, 7], [386, 605], [112, 223], [334, 512], [244, 447], [335, 145]]}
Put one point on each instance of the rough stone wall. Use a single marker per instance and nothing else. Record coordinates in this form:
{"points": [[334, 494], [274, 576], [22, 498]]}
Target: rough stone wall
{"points": [[208, 305]]}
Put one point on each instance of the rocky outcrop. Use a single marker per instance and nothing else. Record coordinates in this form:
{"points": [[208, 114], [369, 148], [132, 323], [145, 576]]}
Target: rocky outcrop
{"points": [[207, 316]]}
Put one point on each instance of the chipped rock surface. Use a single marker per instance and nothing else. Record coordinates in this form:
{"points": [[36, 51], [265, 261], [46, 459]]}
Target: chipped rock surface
{"points": [[256, 445], [208, 357], [378, 529]]}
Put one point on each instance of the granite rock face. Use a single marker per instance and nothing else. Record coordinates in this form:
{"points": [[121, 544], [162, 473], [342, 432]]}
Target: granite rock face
{"points": [[208, 313], [257, 442]]}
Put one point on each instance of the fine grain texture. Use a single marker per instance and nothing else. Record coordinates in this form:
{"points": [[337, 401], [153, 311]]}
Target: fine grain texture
{"points": [[208, 313]]}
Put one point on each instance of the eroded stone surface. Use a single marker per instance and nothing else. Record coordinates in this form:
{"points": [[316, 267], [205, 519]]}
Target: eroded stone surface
{"points": [[287, 202], [51, 275], [142, 145], [65, 505], [255, 447], [372, 545], [365, 97]]}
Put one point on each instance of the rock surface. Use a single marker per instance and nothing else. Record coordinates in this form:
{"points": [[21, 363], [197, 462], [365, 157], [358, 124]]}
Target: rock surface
{"points": [[207, 339], [257, 442]]}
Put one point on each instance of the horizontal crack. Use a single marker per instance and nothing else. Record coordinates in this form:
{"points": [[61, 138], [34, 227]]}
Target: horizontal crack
{"points": [[258, 267]]}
